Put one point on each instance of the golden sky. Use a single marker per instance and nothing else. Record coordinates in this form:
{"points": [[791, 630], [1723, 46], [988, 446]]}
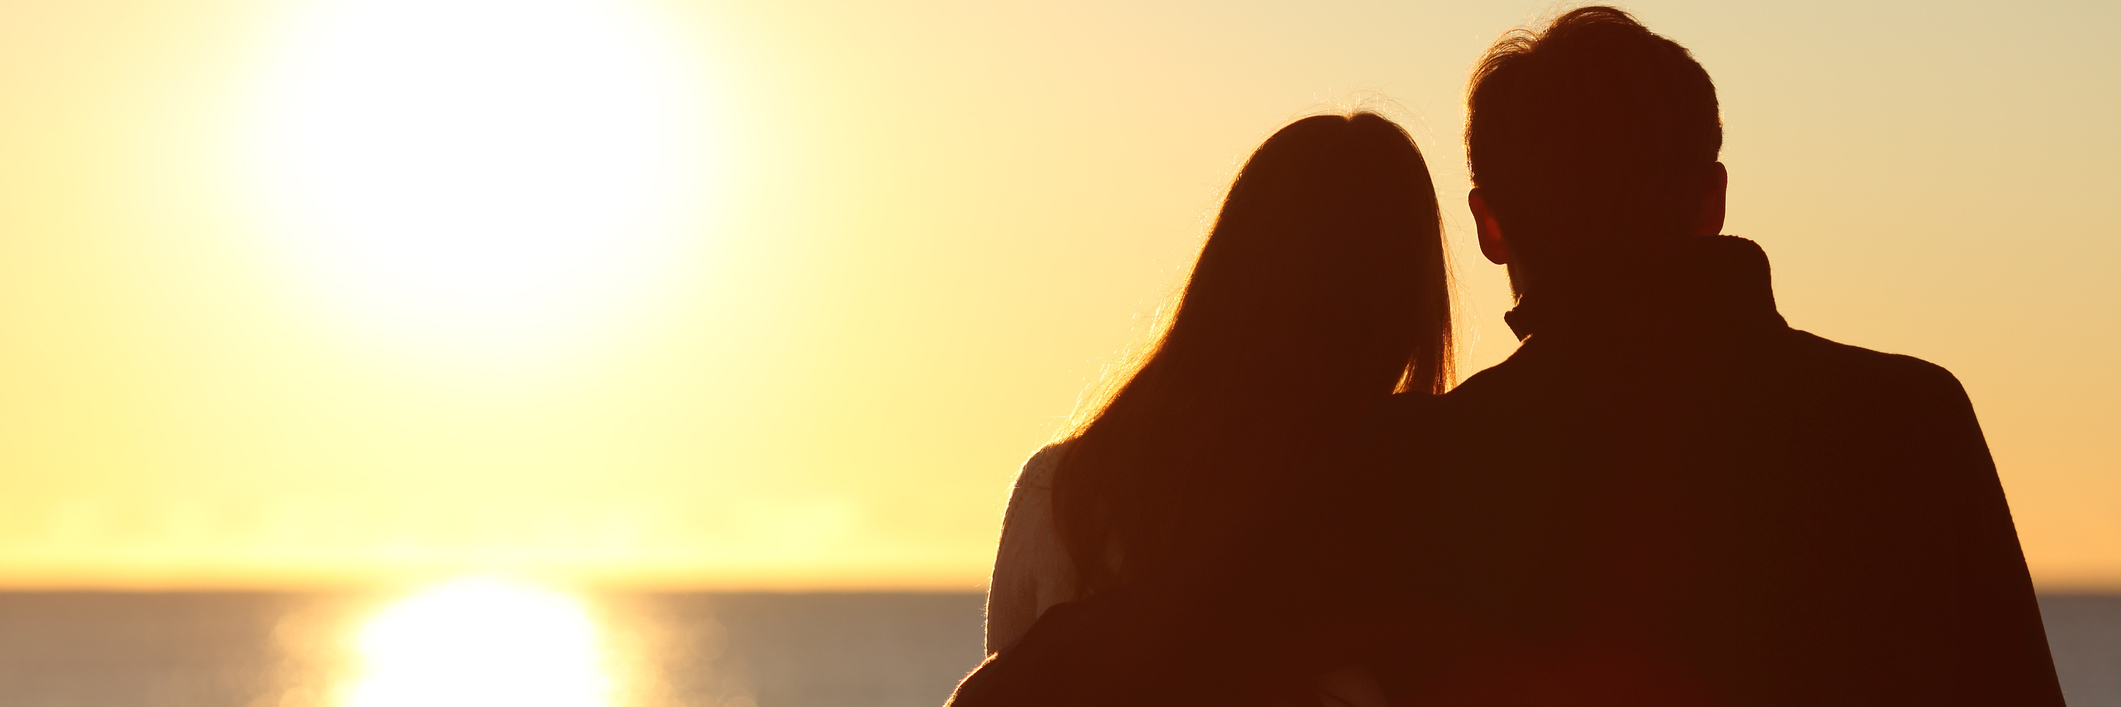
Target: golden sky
{"points": [[779, 293]]}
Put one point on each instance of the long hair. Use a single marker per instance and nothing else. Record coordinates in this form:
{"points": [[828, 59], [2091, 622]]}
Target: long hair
{"points": [[1322, 290]]}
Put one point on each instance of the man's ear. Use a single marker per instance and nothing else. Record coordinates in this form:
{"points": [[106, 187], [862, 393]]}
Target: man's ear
{"points": [[1491, 243], [1712, 202]]}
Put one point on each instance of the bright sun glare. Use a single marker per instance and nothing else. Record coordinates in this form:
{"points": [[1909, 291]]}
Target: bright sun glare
{"points": [[482, 641], [482, 175]]}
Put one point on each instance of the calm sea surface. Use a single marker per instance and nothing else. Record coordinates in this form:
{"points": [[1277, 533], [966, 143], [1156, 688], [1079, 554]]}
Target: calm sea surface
{"points": [[696, 650]]}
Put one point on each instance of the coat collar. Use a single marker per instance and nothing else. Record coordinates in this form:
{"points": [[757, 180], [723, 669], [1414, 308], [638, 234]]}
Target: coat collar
{"points": [[1689, 284]]}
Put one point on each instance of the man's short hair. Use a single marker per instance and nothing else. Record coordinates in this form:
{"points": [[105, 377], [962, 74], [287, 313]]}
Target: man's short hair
{"points": [[1594, 130]]}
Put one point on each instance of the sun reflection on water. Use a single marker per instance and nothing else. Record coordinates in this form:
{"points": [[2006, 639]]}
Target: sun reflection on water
{"points": [[483, 641]]}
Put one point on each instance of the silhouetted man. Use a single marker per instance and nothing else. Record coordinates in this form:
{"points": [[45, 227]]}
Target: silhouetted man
{"points": [[1668, 496]]}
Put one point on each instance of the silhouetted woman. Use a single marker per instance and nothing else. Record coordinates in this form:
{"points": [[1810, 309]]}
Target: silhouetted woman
{"points": [[1321, 291]]}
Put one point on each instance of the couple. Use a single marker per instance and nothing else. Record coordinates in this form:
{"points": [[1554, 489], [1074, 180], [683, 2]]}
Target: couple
{"points": [[1666, 496]]}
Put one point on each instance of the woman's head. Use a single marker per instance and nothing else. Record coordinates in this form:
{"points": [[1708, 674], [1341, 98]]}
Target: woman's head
{"points": [[1326, 265], [1321, 289]]}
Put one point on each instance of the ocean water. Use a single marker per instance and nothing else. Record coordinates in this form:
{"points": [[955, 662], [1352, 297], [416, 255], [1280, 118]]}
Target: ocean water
{"points": [[658, 650], [82, 649]]}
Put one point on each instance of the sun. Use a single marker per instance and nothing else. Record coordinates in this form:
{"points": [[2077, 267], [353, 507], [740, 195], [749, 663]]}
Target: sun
{"points": [[481, 175], [482, 641]]}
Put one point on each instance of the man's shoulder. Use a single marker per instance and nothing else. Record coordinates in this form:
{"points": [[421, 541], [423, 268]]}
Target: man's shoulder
{"points": [[1791, 372], [1792, 351], [1857, 366], [1510, 374]]}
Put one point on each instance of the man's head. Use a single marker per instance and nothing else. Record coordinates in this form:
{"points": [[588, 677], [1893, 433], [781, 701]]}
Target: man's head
{"points": [[1593, 133]]}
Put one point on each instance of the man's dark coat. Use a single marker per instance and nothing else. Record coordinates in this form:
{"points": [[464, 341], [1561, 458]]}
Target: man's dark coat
{"points": [[1669, 496]]}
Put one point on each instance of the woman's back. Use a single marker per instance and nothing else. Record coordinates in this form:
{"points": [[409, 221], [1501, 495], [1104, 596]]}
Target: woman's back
{"points": [[1032, 574]]}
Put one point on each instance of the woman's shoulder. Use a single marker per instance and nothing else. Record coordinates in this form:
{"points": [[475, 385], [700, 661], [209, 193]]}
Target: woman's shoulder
{"points": [[1031, 571], [1031, 500], [1037, 472]]}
